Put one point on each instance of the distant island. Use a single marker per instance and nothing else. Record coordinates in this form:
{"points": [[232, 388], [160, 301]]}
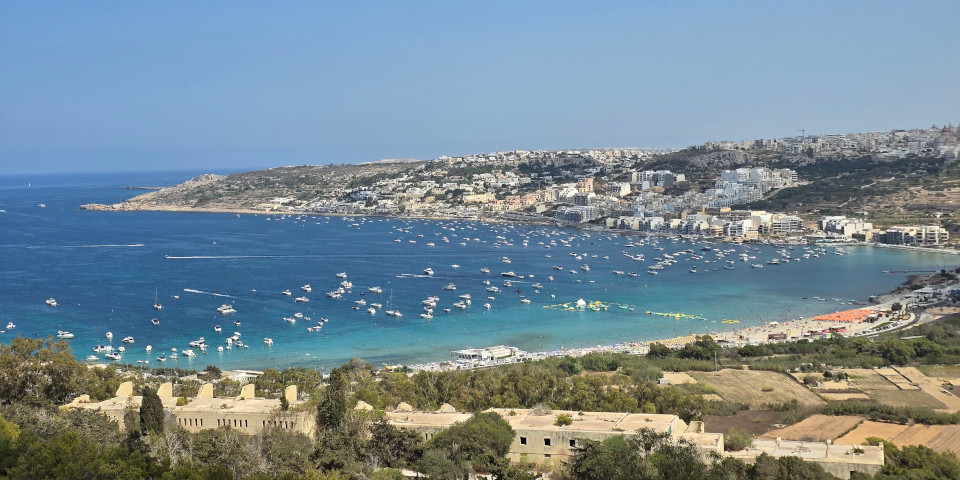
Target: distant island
{"points": [[844, 186]]}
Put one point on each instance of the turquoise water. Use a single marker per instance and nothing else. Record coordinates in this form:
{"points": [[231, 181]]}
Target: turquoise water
{"points": [[104, 270]]}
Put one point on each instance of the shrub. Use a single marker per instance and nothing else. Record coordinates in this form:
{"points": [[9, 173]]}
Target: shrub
{"points": [[563, 420], [736, 440]]}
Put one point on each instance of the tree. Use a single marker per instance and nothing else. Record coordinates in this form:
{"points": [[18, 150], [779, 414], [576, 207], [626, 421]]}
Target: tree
{"points": [[659, 350], [394, 447], [482, 442], [151, 412], [333, 404], [615, 458]]}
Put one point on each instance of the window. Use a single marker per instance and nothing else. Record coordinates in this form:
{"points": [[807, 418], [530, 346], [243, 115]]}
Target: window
{"points": [[546, 442], [523, 440], [546, 455], [573, 443]]}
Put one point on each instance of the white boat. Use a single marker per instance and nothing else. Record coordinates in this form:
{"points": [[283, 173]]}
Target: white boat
{"points": [[198, 342], [372, 311], [756, 265], [52, 302], [10, 326], [113, 356], [693, 269], [92, 358], [525, 300], [346, 284], [121, 349], [287, 292], [268, 340], [342, 275], [156, 303], [302, 299], [465, 296], [149, 348], [188, 353], [218, 329], [128, 340], [360, 302], [375, 289], [109, 335], [460, 305], [225, 309], [64, 334], [428, 271], [155, 321], [454, 266], [487, 306], [426, 316], [298, 315], [162, 358], [306, 288], [450, 287], [484, 270], [289, 319], [508, 274], [394, 313]]}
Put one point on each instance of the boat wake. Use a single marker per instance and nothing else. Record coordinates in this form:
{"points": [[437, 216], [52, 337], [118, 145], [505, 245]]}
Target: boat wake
{"points": [[191, 290], [414, 275], [87, 246]]}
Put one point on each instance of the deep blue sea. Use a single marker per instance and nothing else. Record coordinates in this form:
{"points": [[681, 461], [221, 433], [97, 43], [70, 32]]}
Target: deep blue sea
{"points": [[105, 269]]}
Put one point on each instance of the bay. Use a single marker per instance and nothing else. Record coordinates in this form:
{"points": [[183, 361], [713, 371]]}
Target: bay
{"points": [[105, 268]]}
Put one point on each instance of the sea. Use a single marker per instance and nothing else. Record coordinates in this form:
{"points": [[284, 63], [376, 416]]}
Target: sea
{"points": [[107, 269]]}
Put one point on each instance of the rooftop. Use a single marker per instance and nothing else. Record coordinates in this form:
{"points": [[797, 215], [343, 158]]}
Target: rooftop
{"points": [[588, 421], [812, 451]]}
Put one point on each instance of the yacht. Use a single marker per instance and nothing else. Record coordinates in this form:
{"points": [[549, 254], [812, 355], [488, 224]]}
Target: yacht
{"points": [[149, 348], [508, 274], [426, 316], [198, 342], [375, 289], [155, 321], [109, 335], [450, 287], [525, 300], [306, 288], [287, 292], [484, 270], [756, 265], [465, 296], [302, 299], [52, 302], [289, 319], [10, 326], [487, 306], [156, 303], [394, 313], [64, 334], [346, 284], [693, 269], [268, 340], [188, 353], [128, 340], [774, 261], [92, 358], [217, 329], [372, 311], [360, 302], [342, 275], [428, 271], [162, 358], [225, 309], [113, 356]]}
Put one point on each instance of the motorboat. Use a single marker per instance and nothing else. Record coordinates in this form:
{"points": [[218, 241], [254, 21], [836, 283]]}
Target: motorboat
{"points": [[92, 358], [450, 287], [217, 329], [375, 289], [302, 299], [268, 341], [109, 335], [306, 288], [64, 334], [342, 275], [188, 353], [508, 274], [155, 321], [52, 302], [225, 309], [128, 340], [113, 356], [426, 316], [287, 292], [198, 342], [428, 271]]}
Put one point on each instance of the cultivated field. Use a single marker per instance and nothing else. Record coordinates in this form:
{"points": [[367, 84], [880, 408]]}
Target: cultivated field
{"points": [[753, 422], [816, 428], [942, 438], [756, 388], [883, 391]]}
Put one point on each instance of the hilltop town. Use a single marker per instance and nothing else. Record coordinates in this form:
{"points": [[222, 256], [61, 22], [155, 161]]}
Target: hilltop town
{"points": [[898, 187]]}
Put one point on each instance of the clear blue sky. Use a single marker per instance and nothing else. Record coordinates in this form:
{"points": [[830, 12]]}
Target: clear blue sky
{"points": [[171, 85]]}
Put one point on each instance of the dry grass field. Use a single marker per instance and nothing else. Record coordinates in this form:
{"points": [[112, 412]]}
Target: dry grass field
{"points": [[756, 388], [942, 438], [881, 390], [816, 428]]}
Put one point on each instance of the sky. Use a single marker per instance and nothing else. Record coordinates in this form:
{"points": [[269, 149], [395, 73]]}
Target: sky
{"points": [[120, 85]]}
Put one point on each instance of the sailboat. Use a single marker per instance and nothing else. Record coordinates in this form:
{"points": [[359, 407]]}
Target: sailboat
{"points": [[390, 311], [156, 303]]}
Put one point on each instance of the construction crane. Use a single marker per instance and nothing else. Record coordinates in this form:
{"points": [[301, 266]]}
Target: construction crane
{"points": [[803, 133]]}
